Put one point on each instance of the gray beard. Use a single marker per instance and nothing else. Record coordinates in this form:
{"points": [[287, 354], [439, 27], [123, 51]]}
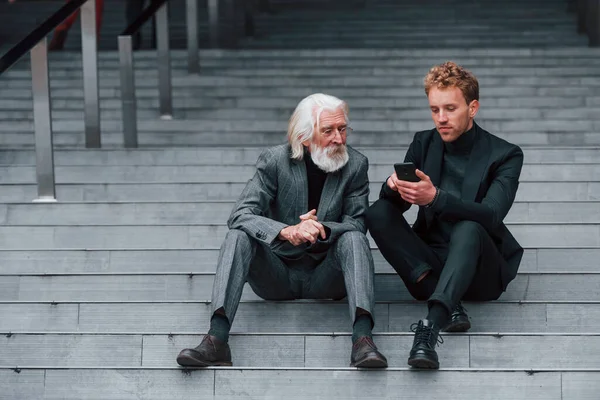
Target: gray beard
{"points": [[329, 159]]}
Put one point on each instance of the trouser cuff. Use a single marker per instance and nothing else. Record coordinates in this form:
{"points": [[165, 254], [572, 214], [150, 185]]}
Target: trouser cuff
{"points": [[443, 300]]}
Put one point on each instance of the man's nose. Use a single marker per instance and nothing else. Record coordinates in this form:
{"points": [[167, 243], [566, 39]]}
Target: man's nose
{"points": [[442, 116], [337, 137]]}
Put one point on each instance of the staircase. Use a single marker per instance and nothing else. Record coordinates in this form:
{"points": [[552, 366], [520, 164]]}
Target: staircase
{"points": [[99, 292]]}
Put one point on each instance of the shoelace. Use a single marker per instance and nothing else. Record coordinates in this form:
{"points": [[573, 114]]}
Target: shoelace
{"points": [[424, 333], [460, 309]]}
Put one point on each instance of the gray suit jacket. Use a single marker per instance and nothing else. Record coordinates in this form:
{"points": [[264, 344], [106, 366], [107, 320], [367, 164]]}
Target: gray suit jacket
{"points": [[278, 194]]}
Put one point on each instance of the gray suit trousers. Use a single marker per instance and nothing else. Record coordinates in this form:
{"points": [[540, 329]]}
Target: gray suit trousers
{"points": [[346, 270]]}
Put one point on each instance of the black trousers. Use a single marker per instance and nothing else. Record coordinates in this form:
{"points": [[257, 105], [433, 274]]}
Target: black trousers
{"points": [[467, 269]]}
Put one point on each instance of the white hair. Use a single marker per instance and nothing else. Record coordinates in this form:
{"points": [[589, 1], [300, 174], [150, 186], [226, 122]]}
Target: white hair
{"points": [[307, 115]]}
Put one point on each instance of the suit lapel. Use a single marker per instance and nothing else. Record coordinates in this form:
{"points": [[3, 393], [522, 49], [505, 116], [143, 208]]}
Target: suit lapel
{"points": [[301, 185], [329, 190], [434, 156], [478, 161]]}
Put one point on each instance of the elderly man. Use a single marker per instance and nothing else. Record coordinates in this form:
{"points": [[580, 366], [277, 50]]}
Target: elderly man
{"points": [[298, 232], [458, 248]]}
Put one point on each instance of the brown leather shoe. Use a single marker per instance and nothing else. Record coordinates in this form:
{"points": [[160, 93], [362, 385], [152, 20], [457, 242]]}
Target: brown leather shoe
{"points": [[210, 352], [365, 354]]}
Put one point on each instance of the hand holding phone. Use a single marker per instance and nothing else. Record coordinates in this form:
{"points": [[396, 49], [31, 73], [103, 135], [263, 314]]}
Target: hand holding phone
{"points": [[406, 172]]}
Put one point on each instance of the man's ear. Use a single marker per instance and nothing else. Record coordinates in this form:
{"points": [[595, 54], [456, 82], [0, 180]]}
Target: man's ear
{"points": [[306, 143], [473, 108]]}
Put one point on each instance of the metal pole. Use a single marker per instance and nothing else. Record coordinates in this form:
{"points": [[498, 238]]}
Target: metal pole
{"points": [[229, 27], [128, 103], [591, 23], [89, 55], [594, 24], [581, 9], [164, 62], [213, 22], [42, 121], [192, 36]]}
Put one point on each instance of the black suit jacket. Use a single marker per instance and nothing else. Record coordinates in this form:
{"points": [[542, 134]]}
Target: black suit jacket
{"points": [[488, 191]]}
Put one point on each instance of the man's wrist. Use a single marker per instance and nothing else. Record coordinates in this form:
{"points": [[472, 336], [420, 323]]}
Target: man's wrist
{"points": [[435, 197]]}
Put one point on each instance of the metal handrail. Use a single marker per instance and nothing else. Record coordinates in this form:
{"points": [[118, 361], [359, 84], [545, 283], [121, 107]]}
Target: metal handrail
{"points": [[125, 42], [35, 43]]}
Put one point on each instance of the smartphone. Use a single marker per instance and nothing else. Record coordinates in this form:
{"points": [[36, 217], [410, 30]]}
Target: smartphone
{"points": [[406, 172]]}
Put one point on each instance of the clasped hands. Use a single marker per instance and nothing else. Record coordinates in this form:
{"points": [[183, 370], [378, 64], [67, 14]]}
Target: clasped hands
{"points": [[308, 230], [420, 193]]}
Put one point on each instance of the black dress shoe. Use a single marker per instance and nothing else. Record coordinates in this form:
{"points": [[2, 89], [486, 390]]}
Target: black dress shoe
{"points": [[210, 352], [459, 320], [365, 354], [422, 354]]}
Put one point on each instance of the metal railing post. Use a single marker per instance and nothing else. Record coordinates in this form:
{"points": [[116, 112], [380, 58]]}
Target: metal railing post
{"points": [[581, 8], [192, 36], [593, 23], [42, 120], [128, 102], [164, 62], [89, 57], [213, 23]]}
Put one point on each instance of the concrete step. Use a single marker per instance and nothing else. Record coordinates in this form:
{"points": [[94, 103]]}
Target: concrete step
{"points": [[529, 235], [298, 316], [297, 384], [524, 128], [223, 138], [249, 155], [241, 173], [277, 77], [213, 99], [198, 287], [75, 350], [210, 61], [387, 114], [123, 214], [195, 261], [192, 192]]}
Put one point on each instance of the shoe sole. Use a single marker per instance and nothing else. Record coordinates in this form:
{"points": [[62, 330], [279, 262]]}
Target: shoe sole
{"points": [[423, 363], [370, 362], [458, 327], [186, 361]]}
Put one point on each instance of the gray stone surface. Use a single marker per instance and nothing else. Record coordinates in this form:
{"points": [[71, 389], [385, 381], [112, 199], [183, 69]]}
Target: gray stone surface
{"points": [[533, 352], [241, 174], [291, 317], [31, 317], [196, 261], [177, 192], [218, 213], [164, 287], [125, 384], [71, 350], [379, 384], [22, 385], [247, 351], [249, 155]]}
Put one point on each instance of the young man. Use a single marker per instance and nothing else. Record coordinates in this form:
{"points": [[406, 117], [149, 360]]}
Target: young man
{"points": [[458, 248], [298, 231]]}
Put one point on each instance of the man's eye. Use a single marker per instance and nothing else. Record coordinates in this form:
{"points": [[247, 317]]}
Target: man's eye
{"points": [[327, 131], [342, 129]]}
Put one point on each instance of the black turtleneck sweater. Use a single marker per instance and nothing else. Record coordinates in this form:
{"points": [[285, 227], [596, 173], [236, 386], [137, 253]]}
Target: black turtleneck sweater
{"points": [[316, 181], [456, 158]]}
